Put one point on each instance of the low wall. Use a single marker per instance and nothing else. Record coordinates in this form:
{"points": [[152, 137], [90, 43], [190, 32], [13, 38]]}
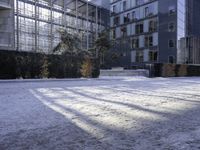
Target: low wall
{"points": [[174, 70], [124, 73]]}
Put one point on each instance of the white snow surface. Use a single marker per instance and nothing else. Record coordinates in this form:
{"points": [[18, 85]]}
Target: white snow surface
{"points": [[121, 113]]}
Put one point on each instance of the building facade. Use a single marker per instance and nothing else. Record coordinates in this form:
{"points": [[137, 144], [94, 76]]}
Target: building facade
{"points": [[151, 31], [190, 50], [192, 17], [7, 29], [32, 25], [190, 45]]}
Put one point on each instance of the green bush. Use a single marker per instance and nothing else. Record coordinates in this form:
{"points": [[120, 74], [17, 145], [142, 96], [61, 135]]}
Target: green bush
{"points": [[7, 66], [34, 65], [96, 68]]}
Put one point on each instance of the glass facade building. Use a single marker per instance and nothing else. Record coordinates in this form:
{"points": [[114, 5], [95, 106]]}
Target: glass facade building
{"points": [[7, 24], [36, 22]]}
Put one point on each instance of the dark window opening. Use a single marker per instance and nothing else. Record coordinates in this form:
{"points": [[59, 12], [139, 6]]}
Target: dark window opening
{"points": [[152, 26], [172, 43], [139, 28], [171, 59], [153, 56], [171, 27], [139, 56], [135, 43]]}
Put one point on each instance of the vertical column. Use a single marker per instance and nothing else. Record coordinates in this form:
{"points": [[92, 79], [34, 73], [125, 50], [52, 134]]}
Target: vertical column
{"points": [[96, 29], [77, 25], [96, 22], [36, 26], [76, 5], [51, 29], [17, 27], [12, 34], [194, 49], [87, 16], [100, 20], [65, 20]]}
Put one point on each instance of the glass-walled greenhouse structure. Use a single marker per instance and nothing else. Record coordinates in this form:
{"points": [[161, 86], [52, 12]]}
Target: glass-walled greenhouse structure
{"points": [[36, 23]]}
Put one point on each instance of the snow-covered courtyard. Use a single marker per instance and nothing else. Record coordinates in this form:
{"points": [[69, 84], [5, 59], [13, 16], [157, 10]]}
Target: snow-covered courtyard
{"points": [[101, 114]]}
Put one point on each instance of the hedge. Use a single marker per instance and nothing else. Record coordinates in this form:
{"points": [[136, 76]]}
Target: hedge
{"points": [[174, 70], [28, 65]]}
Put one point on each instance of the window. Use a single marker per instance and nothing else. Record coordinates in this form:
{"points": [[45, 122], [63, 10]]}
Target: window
{"points": [[139, 56], [171, 43], [113, 34], [153, 56], [146, 11], [139, 28], [172, 10], [127, 18], [139, 2], [171, 59], [171, 27], [149, 41], [152, 25], [124, 31], [116, 20], [135, 43], [133, 15], [124, 5], [114, 9]]}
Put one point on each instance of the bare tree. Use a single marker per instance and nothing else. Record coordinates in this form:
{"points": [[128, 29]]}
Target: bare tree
{"points": [[102, 45], [70, 44]]}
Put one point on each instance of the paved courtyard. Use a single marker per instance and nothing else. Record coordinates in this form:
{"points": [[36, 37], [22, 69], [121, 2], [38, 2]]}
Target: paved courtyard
{"points": [[101, 114]]}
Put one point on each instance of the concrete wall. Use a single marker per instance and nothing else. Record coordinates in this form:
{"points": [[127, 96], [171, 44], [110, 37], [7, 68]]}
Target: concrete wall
{"points": [[130, 73]]}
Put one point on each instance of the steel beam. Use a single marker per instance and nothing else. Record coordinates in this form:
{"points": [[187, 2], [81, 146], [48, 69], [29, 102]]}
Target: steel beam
{"points": [[87, 15], [36, 26], [51, 29], [17, 30]]}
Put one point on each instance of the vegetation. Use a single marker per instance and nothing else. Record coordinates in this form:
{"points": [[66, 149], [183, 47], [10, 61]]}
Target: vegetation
{"points": [[34, 65], [68, 60], [175, 70], [102, 45], [86, 68], [70, 44], [45, 68]]}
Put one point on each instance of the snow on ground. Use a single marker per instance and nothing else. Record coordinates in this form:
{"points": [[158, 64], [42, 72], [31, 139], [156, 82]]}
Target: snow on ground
{"points": [[101, 114]]}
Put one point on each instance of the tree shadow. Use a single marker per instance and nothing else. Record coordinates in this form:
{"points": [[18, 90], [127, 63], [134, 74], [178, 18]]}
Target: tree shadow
{"points": [[53, 125], [129, 105], [144, 93], [43, 128], [154, 134]]}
